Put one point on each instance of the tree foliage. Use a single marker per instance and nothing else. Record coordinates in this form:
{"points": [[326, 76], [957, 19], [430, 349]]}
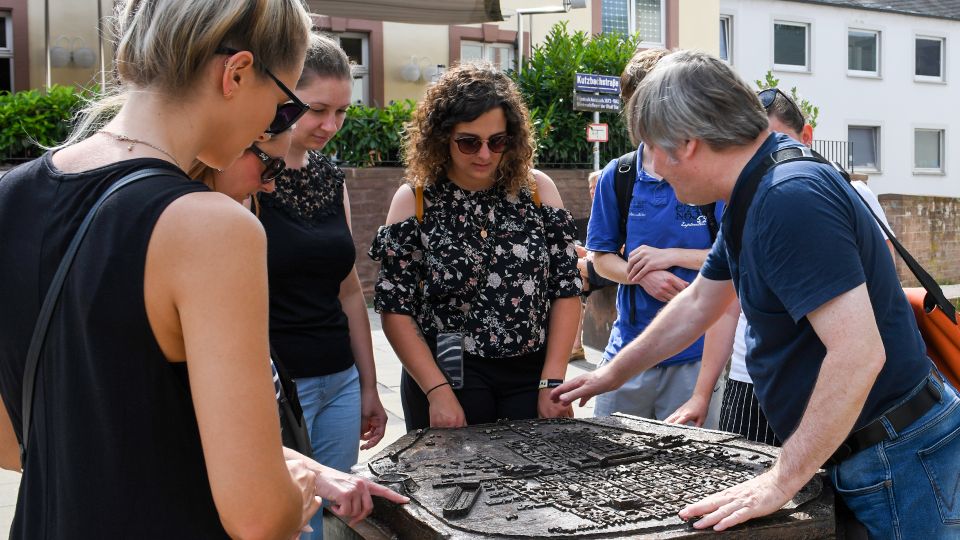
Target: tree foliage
{"points": [[546, 83]]}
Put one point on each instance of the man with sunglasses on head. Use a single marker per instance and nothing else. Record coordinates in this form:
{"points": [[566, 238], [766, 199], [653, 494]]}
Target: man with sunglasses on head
{"points": [[652, 245]]}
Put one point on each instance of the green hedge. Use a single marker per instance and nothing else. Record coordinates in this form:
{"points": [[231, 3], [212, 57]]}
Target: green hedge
{"points": [[371, 136], [30, 120]]}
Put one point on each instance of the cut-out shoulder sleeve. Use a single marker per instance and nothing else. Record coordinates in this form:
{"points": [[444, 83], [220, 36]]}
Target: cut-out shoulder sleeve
{"points": [[560, 231], [399, 249]]}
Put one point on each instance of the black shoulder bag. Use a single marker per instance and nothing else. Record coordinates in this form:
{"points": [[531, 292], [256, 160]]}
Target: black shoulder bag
{"points": [[53, 294]]}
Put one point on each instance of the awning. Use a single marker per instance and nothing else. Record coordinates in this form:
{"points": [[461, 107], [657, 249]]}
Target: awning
{"points": [[411, 11]]}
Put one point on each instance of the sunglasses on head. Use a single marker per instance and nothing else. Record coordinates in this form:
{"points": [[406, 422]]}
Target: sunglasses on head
{"points": [[287, 113], [768, 96], [273, 166], [471, 144]]}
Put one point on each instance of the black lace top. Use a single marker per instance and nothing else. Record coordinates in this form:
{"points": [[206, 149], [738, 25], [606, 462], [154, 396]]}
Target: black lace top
{"points": [[310, 193], [496, 290], [309, 253]]}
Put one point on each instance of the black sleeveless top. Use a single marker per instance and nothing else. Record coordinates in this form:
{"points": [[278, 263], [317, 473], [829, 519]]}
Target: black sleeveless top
{"points": [[114, 449], [309, 252]]}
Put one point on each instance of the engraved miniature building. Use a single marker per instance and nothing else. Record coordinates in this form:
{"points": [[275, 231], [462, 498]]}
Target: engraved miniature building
{"points": [[618, 476]]}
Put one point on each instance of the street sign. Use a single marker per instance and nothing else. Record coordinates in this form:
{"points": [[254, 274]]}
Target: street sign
{"points": [[591, 82], [596, 102], [597, 133]]}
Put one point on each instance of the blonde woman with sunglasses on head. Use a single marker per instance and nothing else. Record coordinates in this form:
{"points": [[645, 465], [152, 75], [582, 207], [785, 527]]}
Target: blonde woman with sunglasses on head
{"points": [[154, 414], [478, 266]]}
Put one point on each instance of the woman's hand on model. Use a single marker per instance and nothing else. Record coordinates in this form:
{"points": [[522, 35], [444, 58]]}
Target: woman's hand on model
{"points": [[350, 496], [306, 480], [445, 409], [548, 408], [373, 418]]}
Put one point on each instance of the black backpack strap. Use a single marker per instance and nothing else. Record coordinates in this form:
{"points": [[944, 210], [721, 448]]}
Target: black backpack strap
{"points": [[53, 294], [623, 179], [709, 211], [744, 193]]}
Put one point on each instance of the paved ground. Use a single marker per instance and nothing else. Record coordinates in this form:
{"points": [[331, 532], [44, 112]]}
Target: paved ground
{"points": [[388, 378]]}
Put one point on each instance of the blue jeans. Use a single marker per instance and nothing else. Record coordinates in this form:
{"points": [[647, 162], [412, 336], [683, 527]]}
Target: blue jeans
{"points": [[909, 485], [331, 408]]}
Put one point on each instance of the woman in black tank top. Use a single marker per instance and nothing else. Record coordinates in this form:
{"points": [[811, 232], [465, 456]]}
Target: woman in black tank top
{"points": [[153, 413]]}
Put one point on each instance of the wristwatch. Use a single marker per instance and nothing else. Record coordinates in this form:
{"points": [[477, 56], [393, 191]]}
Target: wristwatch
{"points": [[550, 383]]}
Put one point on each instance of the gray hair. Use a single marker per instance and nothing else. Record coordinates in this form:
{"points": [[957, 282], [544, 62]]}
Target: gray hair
{"points": [[693, 95]]}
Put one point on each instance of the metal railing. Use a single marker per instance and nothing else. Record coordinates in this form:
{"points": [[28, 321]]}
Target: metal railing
{"points": [[838, 151]]}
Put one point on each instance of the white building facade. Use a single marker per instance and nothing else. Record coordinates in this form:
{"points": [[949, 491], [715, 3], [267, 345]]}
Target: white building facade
{"points": [[885, 82]]}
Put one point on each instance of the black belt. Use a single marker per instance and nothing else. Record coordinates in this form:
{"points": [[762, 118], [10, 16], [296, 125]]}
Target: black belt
{"points": [[874, 433]]}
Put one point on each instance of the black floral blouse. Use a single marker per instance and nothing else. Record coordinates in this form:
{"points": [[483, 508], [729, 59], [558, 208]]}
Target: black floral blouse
{"points": [[496, 290]]}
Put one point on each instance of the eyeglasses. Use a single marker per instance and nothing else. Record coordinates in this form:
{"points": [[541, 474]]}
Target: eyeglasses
{"points": [[470, 144], [273, 166], [287, 113], [768, 96]]}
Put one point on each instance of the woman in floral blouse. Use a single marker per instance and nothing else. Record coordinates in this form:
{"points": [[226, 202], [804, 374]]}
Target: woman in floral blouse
{"points": [[490, 257]]}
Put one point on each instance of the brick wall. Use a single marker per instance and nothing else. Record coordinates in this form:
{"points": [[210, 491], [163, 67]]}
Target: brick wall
{"points": [[928, 227], [372, 189]]}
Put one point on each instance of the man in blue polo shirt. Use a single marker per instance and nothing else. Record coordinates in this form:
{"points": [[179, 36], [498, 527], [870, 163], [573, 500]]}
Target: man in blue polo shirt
{"points": [[834, 352], [657, 255]]}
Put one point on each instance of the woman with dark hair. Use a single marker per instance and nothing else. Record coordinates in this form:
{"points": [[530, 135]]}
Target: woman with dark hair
{"points": [[477, 253]]}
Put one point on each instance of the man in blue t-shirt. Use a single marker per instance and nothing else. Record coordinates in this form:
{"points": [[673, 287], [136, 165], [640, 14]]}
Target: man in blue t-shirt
{"points": [[667, 241], [657, 255], [834, 352]]}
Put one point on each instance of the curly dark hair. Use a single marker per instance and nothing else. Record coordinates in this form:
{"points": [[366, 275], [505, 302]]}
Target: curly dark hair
{"points": [[462, 94]]}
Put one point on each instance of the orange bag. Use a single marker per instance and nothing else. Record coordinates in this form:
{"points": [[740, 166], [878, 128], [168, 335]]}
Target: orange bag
{"points": [[940, 331]]}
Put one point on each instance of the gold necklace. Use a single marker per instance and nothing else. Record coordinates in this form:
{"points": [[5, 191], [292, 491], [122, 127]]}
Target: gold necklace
{"points": [[483, 228], [132, 142]]}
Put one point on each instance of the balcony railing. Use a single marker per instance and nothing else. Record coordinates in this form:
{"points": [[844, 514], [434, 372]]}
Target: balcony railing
{"points": [[838, 151]]}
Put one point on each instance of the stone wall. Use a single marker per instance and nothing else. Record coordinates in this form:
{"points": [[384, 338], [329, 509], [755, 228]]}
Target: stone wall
{"points": [[929, 227], [372, 189]]}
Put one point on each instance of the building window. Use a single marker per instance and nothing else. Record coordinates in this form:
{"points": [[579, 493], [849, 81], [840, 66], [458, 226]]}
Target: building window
{"points": [[863, 53], [6, 52], [864, 147], [499, 54], [791, 46], [357, 47], [646, 17], [726, 38], [929, 59], [928, 151]]}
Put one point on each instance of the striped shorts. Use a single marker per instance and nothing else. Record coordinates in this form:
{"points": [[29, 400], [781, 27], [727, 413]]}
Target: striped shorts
{"points": [[741, 414]]}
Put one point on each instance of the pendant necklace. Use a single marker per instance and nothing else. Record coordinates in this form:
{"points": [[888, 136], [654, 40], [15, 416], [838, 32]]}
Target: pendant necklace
{"points": [[483, 228], [132, 142]]}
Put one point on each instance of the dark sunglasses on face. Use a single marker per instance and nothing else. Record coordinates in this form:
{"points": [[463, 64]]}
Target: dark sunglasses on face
{"points": [[287, 113], [272, 166], [471, 144], [768, 96]]}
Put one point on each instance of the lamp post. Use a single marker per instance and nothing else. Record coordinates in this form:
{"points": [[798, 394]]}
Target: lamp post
{"points": [[566, 7]]}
